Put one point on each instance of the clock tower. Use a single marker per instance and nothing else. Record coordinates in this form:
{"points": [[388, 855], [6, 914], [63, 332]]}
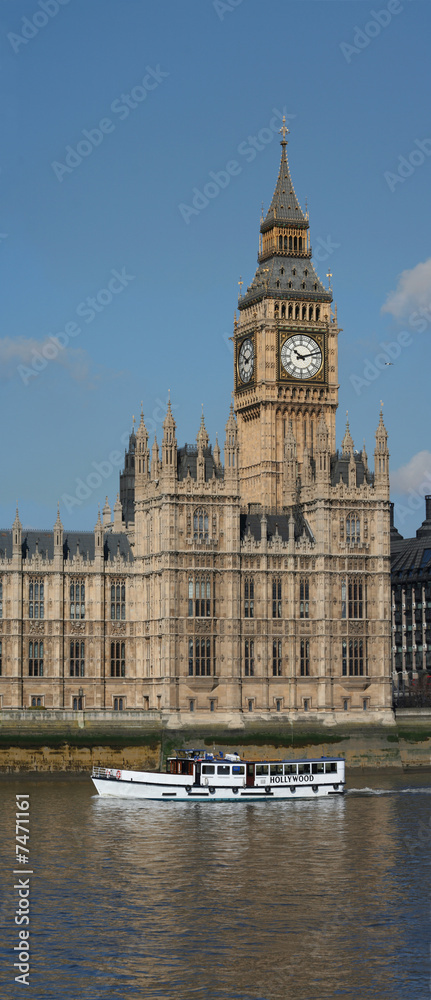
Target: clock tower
{"points": [[285, 351]]}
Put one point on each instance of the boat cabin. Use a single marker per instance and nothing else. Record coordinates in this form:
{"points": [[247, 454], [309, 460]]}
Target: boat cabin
{"points": [[207, 768]]}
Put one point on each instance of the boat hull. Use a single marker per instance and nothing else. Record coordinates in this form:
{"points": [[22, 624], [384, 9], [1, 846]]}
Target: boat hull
{"points": [[126, 787]]}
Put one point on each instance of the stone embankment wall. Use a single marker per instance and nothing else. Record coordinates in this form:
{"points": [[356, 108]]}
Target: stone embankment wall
{"points": [[76, 742]]}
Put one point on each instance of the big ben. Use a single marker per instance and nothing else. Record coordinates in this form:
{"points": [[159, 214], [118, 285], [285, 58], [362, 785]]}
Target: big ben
{"points": [[285, 349]]}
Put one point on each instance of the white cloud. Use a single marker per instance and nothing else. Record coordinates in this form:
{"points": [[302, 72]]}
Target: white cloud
{"points": [[415, 475], [413, 291], [36, 355]]}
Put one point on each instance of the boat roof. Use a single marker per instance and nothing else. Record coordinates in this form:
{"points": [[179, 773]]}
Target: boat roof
{"points": [[232, 757]]}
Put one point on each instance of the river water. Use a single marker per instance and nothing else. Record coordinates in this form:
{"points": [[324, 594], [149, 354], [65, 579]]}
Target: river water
{"points": [[183, 901]]}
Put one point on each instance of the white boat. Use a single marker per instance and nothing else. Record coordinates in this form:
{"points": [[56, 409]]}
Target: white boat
{"points": [[195, 775]]}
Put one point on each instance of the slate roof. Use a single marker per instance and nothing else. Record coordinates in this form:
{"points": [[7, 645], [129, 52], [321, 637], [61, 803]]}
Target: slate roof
{"points": [[294, 271], [73, 541], [187, 458], [340, 470], [251, 523], [284, 206], [411, 557]]}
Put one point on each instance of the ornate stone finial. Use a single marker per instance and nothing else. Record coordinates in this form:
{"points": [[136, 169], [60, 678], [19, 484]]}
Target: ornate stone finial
{"points": [[240, 286], [284, 129], [347, 442], [329, 276], [381, 405], [17, 522], [58, 523]]}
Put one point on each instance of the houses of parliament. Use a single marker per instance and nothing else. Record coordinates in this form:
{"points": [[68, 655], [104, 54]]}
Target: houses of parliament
{"points": [[256, 580]]}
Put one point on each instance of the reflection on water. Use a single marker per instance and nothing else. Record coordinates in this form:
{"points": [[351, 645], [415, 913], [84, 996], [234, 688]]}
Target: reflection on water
{"points": [[309, 900]]}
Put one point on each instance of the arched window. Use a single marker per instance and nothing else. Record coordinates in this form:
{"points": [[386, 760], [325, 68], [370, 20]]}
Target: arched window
{"points": [[290, 242], [35, 659], [296, 312], [77, 659], [310, 312], [118, 600], [276, 597], [283, 311], [280, 242], [305, 658], [276, 658], [285, 242], [249, 597], [304, 312], [200, 525], [249, 658], [317, 313], [304, 592], [118, 659], [276, 310], [199, 596], [290, 312], [77, 599], [353, 529], [36, 602], [353, 598], [295, 243]]}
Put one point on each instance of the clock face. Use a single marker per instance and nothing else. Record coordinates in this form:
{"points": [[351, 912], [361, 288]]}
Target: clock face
{"points": [[301, 356], [246, 361]]}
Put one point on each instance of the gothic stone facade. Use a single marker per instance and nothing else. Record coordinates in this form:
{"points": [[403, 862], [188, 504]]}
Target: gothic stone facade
{"points": [[261, 584]]}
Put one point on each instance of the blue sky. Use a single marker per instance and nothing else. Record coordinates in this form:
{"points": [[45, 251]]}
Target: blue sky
{"points": [[99, 251]]}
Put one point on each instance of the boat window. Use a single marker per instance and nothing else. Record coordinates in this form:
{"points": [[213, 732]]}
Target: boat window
{"points": [[276, 769], [208, 769], [238, 769], [318, 767], [331, 767], [303, 768], [186, 767], [290, 768], [223, 769], [261, 769]]}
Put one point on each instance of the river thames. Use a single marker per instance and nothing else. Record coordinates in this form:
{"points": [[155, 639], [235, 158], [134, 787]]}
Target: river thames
{"points": [[308, 900]]}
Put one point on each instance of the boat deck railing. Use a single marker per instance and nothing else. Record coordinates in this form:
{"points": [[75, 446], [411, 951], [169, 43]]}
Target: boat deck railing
{"points": [[104, 772]]}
